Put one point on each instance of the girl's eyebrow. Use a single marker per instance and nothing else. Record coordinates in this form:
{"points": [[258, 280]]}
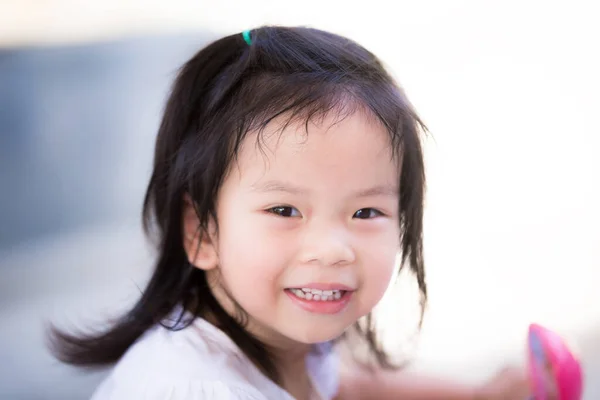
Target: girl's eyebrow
{"points": [[279, 186], [381, 190]]}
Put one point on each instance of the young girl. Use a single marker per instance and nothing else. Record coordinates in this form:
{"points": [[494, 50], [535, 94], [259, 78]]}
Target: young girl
{"points": [[288, 175]]}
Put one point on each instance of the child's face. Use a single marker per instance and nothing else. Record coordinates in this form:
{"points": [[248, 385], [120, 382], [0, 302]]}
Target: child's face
{"points": [[288, 217]]}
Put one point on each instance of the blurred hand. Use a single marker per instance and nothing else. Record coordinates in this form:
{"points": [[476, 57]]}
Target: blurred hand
{"points": [[509, 384]]}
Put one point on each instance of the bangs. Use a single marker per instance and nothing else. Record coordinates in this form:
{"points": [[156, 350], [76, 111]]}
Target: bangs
{"points": [[290, 100]]}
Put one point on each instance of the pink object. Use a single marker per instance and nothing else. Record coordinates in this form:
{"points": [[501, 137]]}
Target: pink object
{"points": [[552, 366]]}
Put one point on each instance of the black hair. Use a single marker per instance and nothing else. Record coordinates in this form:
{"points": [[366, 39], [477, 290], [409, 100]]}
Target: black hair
{"points": [[226, 90]]}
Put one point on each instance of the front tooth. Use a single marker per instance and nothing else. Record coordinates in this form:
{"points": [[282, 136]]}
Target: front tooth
{"points": [[317, 295]]}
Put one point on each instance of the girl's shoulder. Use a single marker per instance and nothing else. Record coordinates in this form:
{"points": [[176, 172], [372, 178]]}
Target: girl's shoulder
{"points": [[196, 362]]}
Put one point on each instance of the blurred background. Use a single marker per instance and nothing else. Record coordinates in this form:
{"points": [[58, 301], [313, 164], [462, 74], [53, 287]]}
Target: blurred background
{"points": [[509, 91]]}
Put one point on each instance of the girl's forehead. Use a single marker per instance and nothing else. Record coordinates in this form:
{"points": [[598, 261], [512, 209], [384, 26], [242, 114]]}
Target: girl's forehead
{"points": [[352, 150], [356, 135]]}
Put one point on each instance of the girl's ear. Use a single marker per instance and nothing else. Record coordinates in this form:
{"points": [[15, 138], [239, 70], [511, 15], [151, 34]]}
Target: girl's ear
{"points": [[200, 245]]}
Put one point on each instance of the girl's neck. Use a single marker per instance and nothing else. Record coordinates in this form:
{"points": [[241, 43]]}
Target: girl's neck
{"points": [[297, 382], [290, 359]]}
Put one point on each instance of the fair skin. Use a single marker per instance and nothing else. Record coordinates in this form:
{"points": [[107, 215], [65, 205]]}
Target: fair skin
{"points": [[301, 210], [509, 384]]}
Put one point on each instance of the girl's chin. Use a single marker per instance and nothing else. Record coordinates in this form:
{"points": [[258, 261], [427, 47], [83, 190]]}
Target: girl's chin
{"points": [[314, 336]]}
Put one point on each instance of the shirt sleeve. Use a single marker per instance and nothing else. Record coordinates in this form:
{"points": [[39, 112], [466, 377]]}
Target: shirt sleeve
{"points": [[184, 390]]}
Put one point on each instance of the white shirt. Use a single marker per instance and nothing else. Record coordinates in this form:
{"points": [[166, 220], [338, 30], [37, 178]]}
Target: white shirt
{"points": [[202, 362]]}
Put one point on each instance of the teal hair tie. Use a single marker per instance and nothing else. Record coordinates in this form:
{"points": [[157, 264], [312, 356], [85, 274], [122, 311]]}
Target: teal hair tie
{"points": [[247, 38]]}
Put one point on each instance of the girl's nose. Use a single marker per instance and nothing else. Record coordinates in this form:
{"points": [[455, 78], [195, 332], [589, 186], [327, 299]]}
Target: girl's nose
{"points": [[328, 247]]}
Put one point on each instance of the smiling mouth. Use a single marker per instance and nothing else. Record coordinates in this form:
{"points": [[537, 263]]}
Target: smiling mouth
{"points": [[320, 301], [317, 294]]}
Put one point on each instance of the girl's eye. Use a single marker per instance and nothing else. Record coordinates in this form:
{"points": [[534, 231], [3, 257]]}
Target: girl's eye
{"points": [[284, 211], [367, 213]]}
